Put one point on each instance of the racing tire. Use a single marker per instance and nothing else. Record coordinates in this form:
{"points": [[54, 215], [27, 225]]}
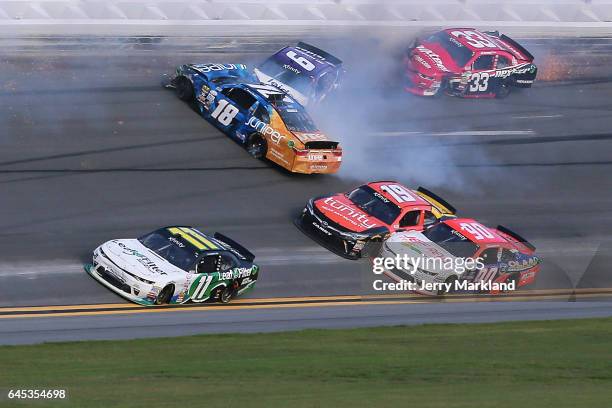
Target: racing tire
{"points": [[226, 294], [516, 278], [504, 89], [257, 147], [163, 298], [452, 280], [184, 89]]}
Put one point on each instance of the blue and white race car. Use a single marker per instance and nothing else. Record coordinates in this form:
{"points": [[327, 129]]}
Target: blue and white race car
{"points": [[268, 122], [305, 72]]}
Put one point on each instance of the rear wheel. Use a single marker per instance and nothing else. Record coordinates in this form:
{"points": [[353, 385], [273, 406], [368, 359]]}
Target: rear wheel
{"points": [[184, 89], [163, 298], [256, 146], [503, 90], [451, 280], [227, 294]]}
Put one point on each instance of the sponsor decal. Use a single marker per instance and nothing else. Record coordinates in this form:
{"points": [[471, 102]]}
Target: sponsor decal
{"points": [[506, 72], [318, 167], [265, 130], [320, 228], [292, 69], [218, 67], [176, 242], [420, 60], [142, 259], [348, 213], [434, 57]]}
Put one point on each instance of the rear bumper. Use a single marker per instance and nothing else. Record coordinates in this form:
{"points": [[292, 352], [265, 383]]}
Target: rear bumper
{"points": [[329, 164]]}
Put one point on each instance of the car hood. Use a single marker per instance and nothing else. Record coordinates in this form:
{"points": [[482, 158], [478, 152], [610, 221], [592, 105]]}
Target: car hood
{"points": [[131, 255], [415, 245], [339, 209], [268, 80], [433, 60]]}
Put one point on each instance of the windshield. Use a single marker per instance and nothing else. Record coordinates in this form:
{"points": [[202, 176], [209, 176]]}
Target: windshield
{"points": [[459, 53], [371, 202], [451, 240], [275, 69], [170, 248], [295, 118]]}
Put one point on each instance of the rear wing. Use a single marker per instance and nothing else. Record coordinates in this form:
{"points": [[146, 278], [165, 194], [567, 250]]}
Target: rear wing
{"points": [[516, 237], [317, 51], [443, 207], [245, 253], [516, 45]]}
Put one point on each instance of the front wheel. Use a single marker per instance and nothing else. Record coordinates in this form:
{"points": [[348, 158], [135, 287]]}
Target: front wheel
{"points": [[163, 298], [451, 288], [257, 147], [184, 89]]}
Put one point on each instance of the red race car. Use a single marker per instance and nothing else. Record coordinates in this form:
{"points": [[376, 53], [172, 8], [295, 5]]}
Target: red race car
{"points": [[346, 223], [504, 257], [468, 63]]}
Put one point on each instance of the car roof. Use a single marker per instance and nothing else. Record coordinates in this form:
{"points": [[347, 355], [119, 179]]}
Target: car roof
{"points": [[464, 41], [475, 231], [197, 239], [415, 201]]}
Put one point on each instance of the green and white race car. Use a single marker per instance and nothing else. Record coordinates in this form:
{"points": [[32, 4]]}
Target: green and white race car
{"points": [[174, 265]]}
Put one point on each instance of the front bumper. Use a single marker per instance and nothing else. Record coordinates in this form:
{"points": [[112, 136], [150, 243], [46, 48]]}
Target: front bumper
{"points": [[105, 272], [327, 235], [419, 85]]}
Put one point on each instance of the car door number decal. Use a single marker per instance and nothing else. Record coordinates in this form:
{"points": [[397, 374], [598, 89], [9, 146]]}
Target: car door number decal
{"points": [[224, 112], [199, 293], [479, 82]]}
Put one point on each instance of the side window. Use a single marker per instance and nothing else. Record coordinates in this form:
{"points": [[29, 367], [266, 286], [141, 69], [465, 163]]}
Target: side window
{"points": [[489, 256], [483, 63], [410, 219], [503, 62], [262, 114], [429, 220], [208, 264], [241, 98], [226, 263], [508, 256], [325, 84]]}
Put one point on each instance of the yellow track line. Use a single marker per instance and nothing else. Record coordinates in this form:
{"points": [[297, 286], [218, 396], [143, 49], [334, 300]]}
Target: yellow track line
{"points": [[321, 303], [413, 296]]}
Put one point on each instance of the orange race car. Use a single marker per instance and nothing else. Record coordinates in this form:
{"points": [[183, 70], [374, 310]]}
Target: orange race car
{"points": [[263, 118]]}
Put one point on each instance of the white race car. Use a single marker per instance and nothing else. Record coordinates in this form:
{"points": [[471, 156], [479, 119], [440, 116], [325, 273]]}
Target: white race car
{"points": [[460, 254], [174, 265]]}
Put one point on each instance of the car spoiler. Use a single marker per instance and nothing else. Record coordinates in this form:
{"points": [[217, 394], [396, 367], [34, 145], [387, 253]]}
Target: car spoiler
{"points": [[328, 57], [441, 204], [516, 236], [516, 45], [248, 255], [321, 144]]}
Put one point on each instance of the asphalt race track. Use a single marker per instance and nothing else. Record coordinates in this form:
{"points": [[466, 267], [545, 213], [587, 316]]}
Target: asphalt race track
{"points": [[92, 148]]}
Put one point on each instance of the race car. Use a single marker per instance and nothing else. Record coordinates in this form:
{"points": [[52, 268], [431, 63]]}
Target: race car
{"points": [[354, 224], [264, 119], [500, 255], [174, 265], [305, 72], [468, 63]]}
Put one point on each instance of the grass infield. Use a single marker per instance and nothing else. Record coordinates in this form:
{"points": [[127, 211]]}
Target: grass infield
{"points": [[564, 363]]}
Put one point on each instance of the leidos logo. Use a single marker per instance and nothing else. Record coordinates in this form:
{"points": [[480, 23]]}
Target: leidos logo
{"points": [[349, 212], [265, 130]]}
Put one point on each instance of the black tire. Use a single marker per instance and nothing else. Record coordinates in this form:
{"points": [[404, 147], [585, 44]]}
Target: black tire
{"points": [[227, 294], [503, 90], [163, 298], [516, 278], [452, 280], [257, 147], [184, 89]]}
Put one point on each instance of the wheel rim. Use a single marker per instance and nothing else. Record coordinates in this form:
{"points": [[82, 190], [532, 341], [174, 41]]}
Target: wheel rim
{"points": [[256, 148]]}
